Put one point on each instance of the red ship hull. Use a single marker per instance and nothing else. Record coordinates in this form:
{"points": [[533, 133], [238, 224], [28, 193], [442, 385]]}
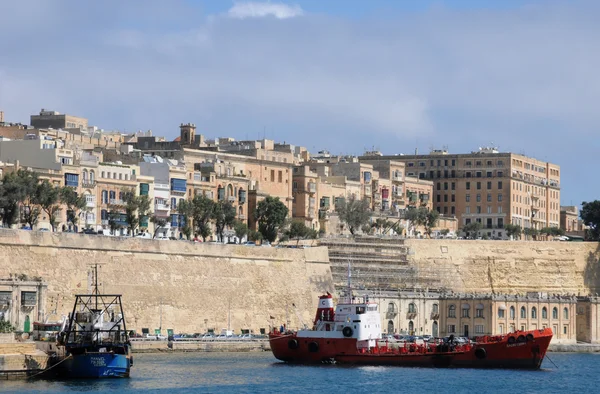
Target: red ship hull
{"points": [[521, 350]]}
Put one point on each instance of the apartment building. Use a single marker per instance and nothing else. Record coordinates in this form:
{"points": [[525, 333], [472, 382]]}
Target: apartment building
{"points": [[56, 120], [489, 187]]}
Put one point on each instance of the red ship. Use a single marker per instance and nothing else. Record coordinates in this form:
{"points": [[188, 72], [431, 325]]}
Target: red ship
{"points": [[351, 334]]}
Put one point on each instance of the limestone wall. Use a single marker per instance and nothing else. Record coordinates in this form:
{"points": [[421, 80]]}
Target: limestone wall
{"points": [[193, 284], [509, 267]]}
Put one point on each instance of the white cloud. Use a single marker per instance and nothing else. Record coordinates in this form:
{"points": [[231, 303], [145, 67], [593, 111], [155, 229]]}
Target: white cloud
{"points": [[260, 10]]}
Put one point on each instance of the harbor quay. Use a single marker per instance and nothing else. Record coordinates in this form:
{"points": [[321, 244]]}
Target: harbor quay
{"points": [[182, 287]]}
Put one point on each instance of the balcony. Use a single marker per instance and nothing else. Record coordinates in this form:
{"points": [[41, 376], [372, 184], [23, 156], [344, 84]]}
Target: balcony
{"points": [[435, 315], [90, 203], [161, 207], [411, 315], [104, 222], [396, 178], [88, 184], [161, 186], [116, 201], [391, 314], [231, 199], [241, 216]]}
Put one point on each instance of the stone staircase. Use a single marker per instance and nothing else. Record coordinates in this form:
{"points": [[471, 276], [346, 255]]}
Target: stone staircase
{"points": [[377, 263]]}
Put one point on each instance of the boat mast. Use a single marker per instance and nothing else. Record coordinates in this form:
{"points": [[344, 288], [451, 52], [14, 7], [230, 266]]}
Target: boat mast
{"points": [[95, 291]]}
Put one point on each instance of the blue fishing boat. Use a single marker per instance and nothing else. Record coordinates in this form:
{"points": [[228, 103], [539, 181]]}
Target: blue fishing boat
{"points": [[95, 339]]}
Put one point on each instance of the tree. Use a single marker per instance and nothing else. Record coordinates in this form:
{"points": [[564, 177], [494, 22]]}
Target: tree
{"points": [[202, 210], [355, 213], [254, 235], [16, 188], [158, 224], [224, 216], [412, 217], [297, 231], [531, 232], [429, 219], [444, 232], [513, 230], [74, 202], [472, 227], [186, 209], [136, 209], [270, 214], [241, 229], [590, 214], [48, 196]]}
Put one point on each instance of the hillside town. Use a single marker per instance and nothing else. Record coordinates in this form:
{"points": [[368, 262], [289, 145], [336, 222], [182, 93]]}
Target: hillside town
{"points": [[481, 194]]}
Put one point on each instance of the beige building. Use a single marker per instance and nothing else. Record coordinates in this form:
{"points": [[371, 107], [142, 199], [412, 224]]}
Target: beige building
{"points": [[22, 302], [472, 315], [56, 120], [588, 319], [409, 313], [489, 187], [570, 221]]}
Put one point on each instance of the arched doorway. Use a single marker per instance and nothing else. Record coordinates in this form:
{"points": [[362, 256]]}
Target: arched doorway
{"points": [[27, 325], [434, 329], [390, 328], [411, 328]]}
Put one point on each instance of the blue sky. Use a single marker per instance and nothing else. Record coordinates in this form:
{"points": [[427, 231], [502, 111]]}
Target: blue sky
{"points": [[339, 75]]}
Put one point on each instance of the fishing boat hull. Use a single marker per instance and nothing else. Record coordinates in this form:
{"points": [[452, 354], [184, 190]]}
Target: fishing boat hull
{"points": [[95, 365]]}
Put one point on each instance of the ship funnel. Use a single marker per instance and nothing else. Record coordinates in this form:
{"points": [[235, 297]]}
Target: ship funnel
{"points": [[325, 311]]}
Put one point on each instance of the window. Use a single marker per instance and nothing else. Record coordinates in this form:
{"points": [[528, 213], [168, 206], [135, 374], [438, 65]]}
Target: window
{"points": [[566, 313], [439, 186], [104, 197], [467, 197], [468, 185], [489, 185], [445, 185], [555, 313], [412, 308], [435, 309], [523, 313], [452, 209], [534, 313], [453, 198], [451, 328], [411, 327], [478, 174], [499, 185], [467, 211], [295, 186], [479, 311], [452, 311], [280, 176], [500, 197], [453, 162], [489, 197], [453, 186], [479, 211], [544, 313], [500, 174], [465, 310], [478, 185], [500, 313], [272, 175], [564, 329], [479, 329], [438, 198], [173, 203], [445, 198], [478, 197], [488, 174], [468, 174], [512, 312]]}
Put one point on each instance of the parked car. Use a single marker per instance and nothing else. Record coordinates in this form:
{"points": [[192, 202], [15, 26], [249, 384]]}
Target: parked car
{"points": [[250, 243], [162, 238]]}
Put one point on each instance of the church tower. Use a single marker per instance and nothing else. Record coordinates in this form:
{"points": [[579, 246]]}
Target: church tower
{"points": [[187, 134]]}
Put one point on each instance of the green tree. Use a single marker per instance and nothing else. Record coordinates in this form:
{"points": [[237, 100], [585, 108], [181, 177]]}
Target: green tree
{"points": [[75, 204], [428, 219], [12, 194], [354, 212], [48, 196], [254, 235], [224, 216], [202, 211], [472, 229], [136, 209], [270, 214], [444, 232], [530, 232], [590, 214], [158, 224], [513, 230], [241, 229], [186, 209], [297, 231], [412, 217]]}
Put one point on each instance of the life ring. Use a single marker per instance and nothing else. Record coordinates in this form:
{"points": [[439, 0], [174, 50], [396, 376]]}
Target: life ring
{"points": [[521, 338], [480, 353], [529, 337], [313, 347], [511, 339], [347, 331], [293, 344]]}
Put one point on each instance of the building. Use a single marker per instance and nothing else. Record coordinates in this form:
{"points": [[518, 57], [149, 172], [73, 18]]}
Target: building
{"points": [[22, 301], [570, 221], [409, 313], [588, 319], [473, 315], [489, 187], [55, 120]]}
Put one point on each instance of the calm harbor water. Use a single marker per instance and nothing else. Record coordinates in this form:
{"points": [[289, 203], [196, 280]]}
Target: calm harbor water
{"points": [[261, 373]]}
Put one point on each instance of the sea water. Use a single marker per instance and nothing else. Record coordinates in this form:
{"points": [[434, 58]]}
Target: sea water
{"points": [[261, 373]]}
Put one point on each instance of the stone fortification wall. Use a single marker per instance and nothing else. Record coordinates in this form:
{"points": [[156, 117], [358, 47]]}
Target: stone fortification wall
{"points": [[508, 267], [195, 285]]}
